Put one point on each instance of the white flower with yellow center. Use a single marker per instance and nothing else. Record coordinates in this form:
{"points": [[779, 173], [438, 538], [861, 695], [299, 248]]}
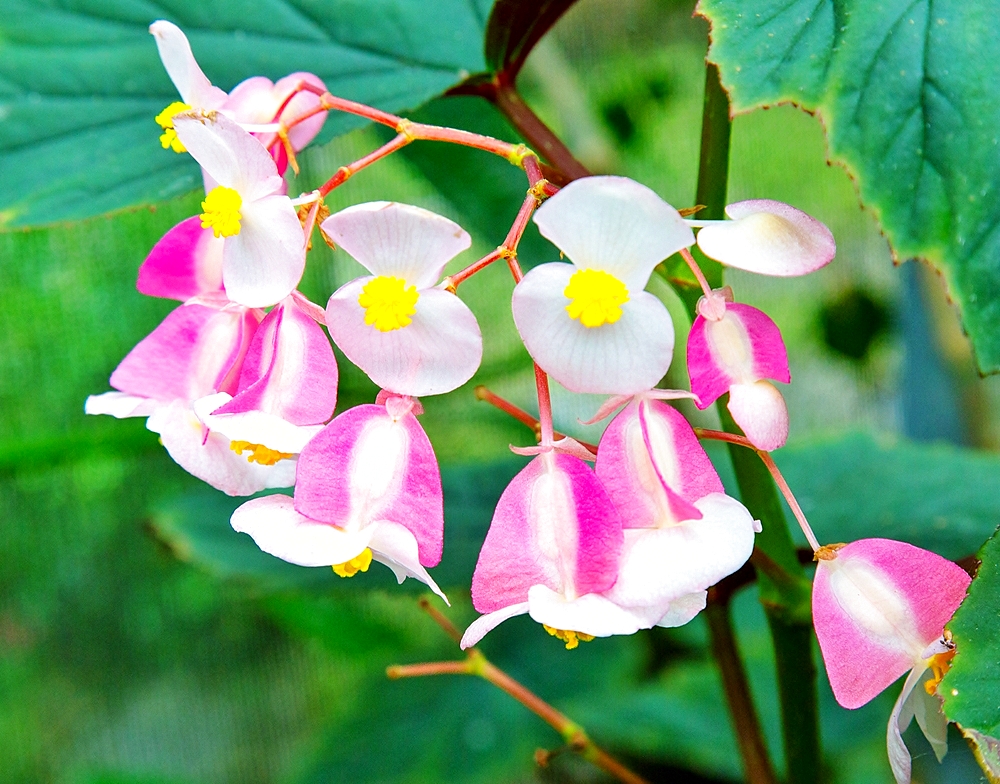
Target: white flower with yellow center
{"points": [[589, 324], [409, 335]]}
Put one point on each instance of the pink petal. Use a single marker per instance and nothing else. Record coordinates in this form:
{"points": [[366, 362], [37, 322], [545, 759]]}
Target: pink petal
{"points": [[876, 607], [185, 263], [652, 465], [484, 624], [554, 526], [769, 238], [613, 224], [591, 613], [760, 411], [256, 101], [175, 53], [622, 358], [195, 351], [398, 240], [304, 132], [437, 352], [365, 467], [289, 370]]}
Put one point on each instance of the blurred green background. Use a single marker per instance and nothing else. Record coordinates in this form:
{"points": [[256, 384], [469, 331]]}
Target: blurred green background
{"points": [[143, 642]]}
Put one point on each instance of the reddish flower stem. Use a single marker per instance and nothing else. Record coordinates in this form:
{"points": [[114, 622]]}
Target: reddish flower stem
{"points": [[544, 406], [522, 416], [345, 172], [696, 271]]}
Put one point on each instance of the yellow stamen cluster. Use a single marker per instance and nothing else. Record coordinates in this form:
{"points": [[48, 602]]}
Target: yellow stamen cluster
{"points": [[259, 453], [388, 303], [165, 120], [358, 563], [940, 663], [597, 297], [222, 211], [571, 638]]}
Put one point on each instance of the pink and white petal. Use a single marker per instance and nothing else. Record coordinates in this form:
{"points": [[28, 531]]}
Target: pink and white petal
{"points": [[613, 224], [769, 357], [484, 624], [304, 132], [209, 457], [366, 466], [253, 101], [120, 405], [175, 52], [437, 352], [231, 156], [279, 530], [554, 526], [709, 379], [398, 240], [760, 411], [289, 372], [185, 263], [264, 262], [684, 609], [258, 427], [591, 613], [629, 356], [666, 563], [769, 238], [397, 548]]}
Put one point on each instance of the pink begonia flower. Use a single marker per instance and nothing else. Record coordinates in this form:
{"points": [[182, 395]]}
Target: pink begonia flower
{"points": [[880, 608], [767, 237], [408, 336], [735, 353], [589, 324], [253, 102], [263, 251], [552, 552], [185, 263], [682, 532], [368, 488]]}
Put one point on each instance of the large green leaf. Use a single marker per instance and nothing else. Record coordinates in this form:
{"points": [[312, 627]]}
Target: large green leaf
{"points": [[971, 689], [907, 92], [81, 82]]}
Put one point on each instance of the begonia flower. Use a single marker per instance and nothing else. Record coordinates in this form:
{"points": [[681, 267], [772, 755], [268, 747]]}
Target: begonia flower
{"points": [[589, 324], [767, 237], [368, 488], [880, 608], [408, 335], [263, 252], [735, 351], [682, 532], [186, 262], [253, 102]]}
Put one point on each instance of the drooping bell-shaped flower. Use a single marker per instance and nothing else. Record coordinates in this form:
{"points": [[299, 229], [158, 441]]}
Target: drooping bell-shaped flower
{"points": [[682, 532], [551, 552], [408, 335], [880, 608], [368, 488], [590, 324], [735, 349], [263, 252], [769, 238]]}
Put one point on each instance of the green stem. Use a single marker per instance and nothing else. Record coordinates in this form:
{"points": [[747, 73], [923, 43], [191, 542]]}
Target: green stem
{"points": [[786, 602]]}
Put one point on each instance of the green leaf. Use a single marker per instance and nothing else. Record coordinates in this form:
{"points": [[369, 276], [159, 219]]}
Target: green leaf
{"points": [[971, 689], [935, 496], [907, 93], [514, 27], [79, 88]]}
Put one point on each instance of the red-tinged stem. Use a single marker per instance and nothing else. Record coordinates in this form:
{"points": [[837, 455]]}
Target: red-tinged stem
{"points": [[345, 172], [522, 416], [477, 266], [696, 271], [528, 206], [544, 406], [397, 671], [779, 480]]}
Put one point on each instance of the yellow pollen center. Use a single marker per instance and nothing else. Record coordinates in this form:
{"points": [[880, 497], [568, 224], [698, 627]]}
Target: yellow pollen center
{"points": [[165, 120], [222, 211], [358, 563], [940, 663], [597, 297], [388, 303], [259, 453], [571, 638]]}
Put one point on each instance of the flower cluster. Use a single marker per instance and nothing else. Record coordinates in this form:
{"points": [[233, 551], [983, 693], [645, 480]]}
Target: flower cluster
{"points": [[240, 382]]}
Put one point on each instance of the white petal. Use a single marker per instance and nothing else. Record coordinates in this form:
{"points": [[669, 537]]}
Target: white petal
{"points": [[259, 427], [613, 224], [398, 240], [484, 624], [121, 405], [629, 356], [192, 84], [437, 352], [591, 613], [760, 410], [396, 547], [899, 755], [684, 609], [281, 531], [264, 262], [926, 708]]}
